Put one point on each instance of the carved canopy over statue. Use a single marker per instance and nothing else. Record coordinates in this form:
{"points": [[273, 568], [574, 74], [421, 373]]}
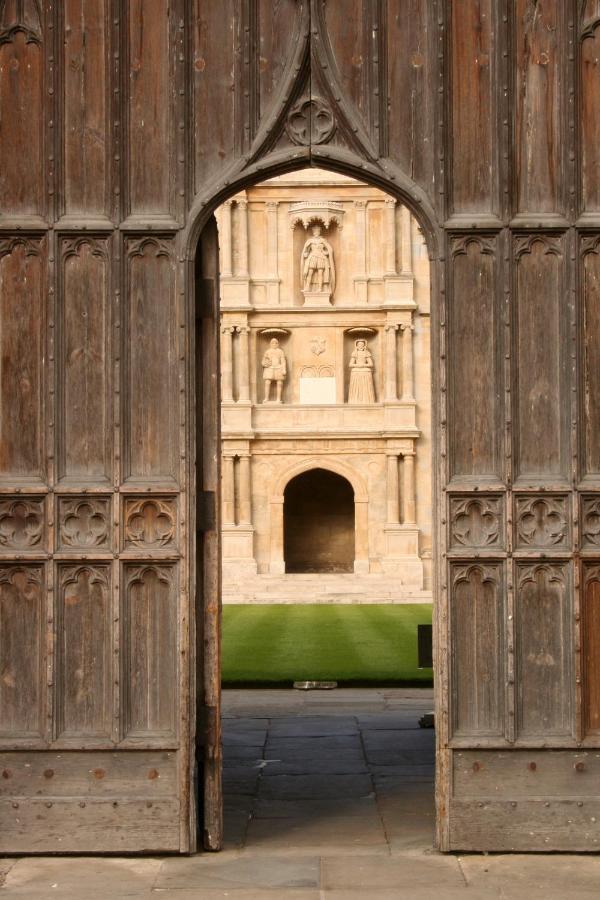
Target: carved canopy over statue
{"points": [[317, 265]]}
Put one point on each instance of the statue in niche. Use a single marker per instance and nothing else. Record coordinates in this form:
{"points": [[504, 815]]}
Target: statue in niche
{"points": [[361, 374], [274, 369], [318, 269]]}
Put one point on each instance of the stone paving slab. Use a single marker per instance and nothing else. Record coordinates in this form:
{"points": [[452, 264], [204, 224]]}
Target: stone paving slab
{"points": [[243, 872], [366, 874], [318, 786]]}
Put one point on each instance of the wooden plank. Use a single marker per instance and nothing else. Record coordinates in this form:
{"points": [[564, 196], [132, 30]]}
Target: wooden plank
{"points": [[22, 651], [473, 102], [526, 774], [476, 630], [208, 532], [22, 172], [349, 40], [150, 650], [215, 32], [150, 122], [475, 402], [83, 673], [539, 41], [411, 100], [590, 127], [86, 131], [147, 774], [22, 322], [589, 399], [89, 826], [84, 365], [544, 650], [530, 825], [151, 415], [591, 648], [541, 428]]}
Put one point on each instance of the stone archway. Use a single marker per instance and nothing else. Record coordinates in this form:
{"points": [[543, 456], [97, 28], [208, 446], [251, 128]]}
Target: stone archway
{"points": [[318, 523], [361, 511]]}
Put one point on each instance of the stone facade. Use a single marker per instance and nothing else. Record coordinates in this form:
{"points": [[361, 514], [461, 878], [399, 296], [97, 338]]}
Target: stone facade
{"points": [[325, 361]]}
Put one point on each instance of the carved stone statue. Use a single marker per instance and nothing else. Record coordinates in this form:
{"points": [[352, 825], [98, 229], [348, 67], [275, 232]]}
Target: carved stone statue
{"points": [[274, 369], [318, 269], [361, 374]]}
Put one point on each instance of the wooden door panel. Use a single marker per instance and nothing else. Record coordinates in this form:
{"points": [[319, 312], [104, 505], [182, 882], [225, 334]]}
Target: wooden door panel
{"points": [[83, 364], [22, 341], [475, 373], [150, 651], [540, 359], [590, 354], [477, 628], [84, 652], [474, 95], [543, 648], [85, 69], [591, 647], [539, 61], [22, 652], [22, 174], [151, 347]]}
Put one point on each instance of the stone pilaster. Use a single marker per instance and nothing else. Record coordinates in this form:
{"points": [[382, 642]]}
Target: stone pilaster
{"points": [[243, 248], [245, 491], [393, 490], [225, 240], [409, 511], [244, 364], [391, 363], [390, 236], [227, 363], [408, 390], [360, 278], [228, 479]]}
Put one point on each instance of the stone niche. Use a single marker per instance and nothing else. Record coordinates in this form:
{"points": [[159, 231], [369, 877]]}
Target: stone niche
{"points": [[373, 341], [316, 234]]}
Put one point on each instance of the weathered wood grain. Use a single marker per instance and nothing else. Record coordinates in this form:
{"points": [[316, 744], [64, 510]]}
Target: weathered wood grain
{"points": [[591, 648], [22, 314], [22, 651], [525, 774], [477, 636], [84, 671], [475, 395], [150, 651], [86, 123], [83, 366], [473, 105]]}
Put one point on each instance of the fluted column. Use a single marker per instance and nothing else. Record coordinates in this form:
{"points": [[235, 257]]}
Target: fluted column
{"points": [[243, 254], [244, 364], [409, 512], [390, 236], [406, 239], [391, 363], [228, 491], [393, 490], [407, 363], [227, 363], [245, 491], [225, 240]]}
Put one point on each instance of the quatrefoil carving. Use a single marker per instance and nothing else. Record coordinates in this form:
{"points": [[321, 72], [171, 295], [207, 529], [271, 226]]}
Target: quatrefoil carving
{"points": [[21, 523], [475, 521], [541, 521], [149, 522], [84, 523]]}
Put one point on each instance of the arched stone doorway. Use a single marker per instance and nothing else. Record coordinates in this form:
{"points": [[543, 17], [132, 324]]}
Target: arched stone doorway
{"points": [[318, 523]]}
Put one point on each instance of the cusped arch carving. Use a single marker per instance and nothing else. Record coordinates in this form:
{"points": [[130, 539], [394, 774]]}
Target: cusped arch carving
{"points": [[318, 462]]}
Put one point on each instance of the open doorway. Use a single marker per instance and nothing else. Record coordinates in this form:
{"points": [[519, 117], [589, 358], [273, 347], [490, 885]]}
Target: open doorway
{"points": [[326, 491]]}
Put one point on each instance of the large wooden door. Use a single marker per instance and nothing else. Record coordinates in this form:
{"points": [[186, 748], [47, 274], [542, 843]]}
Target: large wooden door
{"points": [[119, 133]]}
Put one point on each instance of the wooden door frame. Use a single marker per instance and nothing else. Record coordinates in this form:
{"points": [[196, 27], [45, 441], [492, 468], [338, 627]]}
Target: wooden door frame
{"points": [[406, 192]]}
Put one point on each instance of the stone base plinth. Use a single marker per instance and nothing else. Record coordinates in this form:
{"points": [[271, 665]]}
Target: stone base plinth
{"points": [[321, 588], [238, 551], [316, 299], [402, 554]]}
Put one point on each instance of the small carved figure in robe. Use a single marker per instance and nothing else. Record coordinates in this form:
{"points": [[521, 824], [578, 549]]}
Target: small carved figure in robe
{"points": [[274, 369], [361, 374], [318, 270]]}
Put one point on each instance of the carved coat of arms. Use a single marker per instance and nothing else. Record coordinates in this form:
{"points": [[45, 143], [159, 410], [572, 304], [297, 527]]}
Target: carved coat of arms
{"points": [[318, 346]]}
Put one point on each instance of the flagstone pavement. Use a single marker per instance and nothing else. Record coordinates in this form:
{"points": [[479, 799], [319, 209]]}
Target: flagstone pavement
{"points": [[328, 795]]}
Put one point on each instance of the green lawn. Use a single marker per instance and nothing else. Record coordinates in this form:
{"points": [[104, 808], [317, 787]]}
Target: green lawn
{"points": [[280, 643]]}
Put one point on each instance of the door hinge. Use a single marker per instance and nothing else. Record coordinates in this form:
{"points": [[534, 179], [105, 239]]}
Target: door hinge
{"points": [[206, 512]]}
